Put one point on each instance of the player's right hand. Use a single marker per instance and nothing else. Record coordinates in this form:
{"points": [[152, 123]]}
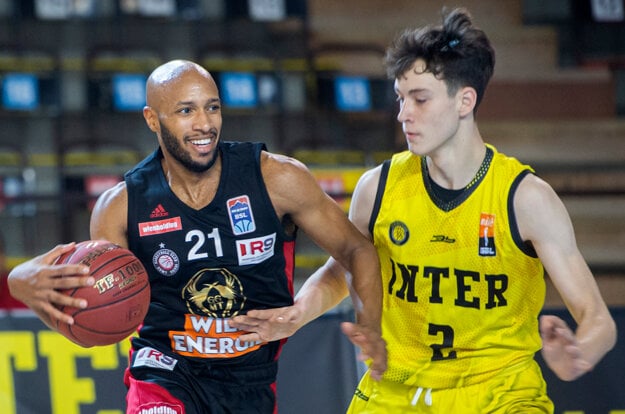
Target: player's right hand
{"points": [[37, 282]]}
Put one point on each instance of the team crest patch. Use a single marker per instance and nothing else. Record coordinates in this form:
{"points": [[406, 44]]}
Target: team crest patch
{"points": [[166, 261], [487, 235], [398, 232], [217, 293], [240, 213]]}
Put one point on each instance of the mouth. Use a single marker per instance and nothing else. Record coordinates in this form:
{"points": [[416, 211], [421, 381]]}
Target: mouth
{"points": [[410, 135], [201, 141]]}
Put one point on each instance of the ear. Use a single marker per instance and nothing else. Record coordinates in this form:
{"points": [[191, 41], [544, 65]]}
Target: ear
{"points": [[151, 118], [467, 97]]}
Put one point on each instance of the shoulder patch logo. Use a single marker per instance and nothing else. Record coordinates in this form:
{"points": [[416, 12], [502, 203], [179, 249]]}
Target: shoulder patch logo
{"points": [[487, 235], [398, 233], [240, 213]]}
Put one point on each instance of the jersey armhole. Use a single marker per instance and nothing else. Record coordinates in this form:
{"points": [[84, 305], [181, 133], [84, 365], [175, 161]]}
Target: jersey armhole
{"points": [[379, 193], [525, 247]]}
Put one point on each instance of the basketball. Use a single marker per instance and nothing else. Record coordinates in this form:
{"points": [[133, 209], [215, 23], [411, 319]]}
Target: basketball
{"points": [[116, 303]]}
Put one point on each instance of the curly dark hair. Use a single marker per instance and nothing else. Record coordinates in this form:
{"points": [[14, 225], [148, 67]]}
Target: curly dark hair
{"points": [[456, 51]]}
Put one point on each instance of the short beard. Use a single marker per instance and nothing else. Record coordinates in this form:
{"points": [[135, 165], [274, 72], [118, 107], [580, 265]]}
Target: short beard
{"points": [[183, 157]]}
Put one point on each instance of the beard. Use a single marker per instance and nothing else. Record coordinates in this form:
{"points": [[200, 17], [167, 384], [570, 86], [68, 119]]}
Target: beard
{"points": [[173, 147]]}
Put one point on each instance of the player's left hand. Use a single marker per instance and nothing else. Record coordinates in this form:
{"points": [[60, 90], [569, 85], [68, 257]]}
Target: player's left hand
{"points": [[371, 345], [561, 350], [268, 325]]}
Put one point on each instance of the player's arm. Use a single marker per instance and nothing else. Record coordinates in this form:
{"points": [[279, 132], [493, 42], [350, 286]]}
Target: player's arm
{"points": [[320, 217], [295, 192], [369, 341], [569, 354], [335, 271], [37, 282], [109, 216]]}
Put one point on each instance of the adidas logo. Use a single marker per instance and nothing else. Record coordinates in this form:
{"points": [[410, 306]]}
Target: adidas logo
{"points": [[159, 211]]}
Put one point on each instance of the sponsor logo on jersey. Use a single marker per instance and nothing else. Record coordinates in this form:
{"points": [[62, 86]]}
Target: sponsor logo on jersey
{"points": [[206, 337], [150, 357], [159, 212], [442, 239], [240, 213], [255, 250], [213, 296], [358, 393], [160, 408], [487, 235], [151, 228], [166, 261], [398, 232]]}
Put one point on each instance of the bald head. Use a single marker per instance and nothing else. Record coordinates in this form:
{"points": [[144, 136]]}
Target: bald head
{"points": [[169, 74]]}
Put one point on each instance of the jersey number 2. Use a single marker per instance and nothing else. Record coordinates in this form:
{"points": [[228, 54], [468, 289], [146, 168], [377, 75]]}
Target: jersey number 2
{"points": [[438, 349]]}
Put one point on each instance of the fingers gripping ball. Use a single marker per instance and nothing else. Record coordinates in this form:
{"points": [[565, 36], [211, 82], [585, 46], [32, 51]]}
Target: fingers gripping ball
{"points": [[116, 303]]}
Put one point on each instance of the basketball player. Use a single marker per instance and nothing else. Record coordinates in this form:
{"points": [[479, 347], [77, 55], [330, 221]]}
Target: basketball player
{"points": [[214, 223], [463, 233]]}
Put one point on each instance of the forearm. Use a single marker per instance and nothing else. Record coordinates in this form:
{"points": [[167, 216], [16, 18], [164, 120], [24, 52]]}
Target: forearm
{"points": [[596, 337], [366, 293], [322, 291]]}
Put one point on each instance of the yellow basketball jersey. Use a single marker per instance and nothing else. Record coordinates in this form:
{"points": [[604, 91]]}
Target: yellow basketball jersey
{"points": [[462, 293]]}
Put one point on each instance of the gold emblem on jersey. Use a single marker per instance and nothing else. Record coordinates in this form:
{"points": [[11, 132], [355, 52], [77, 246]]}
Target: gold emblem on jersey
{"points": [[214, 292], [212, 296]]}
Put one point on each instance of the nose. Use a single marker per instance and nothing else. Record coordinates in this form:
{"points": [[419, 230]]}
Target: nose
{"points": [[404, 111], [202, 121]]}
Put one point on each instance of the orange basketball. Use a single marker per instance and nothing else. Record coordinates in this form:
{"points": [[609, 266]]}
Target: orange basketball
{"points": [[116, 303]]}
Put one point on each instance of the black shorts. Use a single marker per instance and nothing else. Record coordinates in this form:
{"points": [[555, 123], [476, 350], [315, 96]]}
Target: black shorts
{"points": [[161, 384]]}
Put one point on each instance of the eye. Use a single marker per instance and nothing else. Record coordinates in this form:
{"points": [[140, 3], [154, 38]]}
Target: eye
{"points": [[186, 110]]}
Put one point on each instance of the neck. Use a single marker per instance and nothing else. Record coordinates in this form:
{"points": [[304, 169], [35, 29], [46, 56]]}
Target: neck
{"points": [[194, 189], [454, 167]]}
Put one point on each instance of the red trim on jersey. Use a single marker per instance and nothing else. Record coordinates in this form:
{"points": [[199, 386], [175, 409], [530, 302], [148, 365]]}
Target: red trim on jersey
{"points": [[288, 251]]}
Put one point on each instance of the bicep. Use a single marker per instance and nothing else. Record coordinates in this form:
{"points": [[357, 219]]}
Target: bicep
{"points": [[109, 216], [544, 221], [363, 200], [295, 192]]}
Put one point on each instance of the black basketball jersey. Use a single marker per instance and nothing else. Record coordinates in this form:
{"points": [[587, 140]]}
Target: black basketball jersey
{"points": [[210, 264]]}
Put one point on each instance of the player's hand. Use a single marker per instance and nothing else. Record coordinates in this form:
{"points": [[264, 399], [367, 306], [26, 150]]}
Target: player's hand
{"points": [[36, 281], [561, 350], [268, 325], [371, 345]]}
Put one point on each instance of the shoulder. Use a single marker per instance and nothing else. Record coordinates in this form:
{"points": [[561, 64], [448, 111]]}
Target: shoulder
{"points": [[109, 215], [114, 197], [370, 179], [538, 209], [282, 168], [532, 190], [290, 184]]}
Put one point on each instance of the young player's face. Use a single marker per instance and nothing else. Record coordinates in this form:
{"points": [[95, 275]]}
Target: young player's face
{"points": [[190, 122], [429, 116]]}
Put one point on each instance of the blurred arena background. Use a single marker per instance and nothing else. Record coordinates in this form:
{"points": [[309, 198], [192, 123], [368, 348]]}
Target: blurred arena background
{"points": [[306, 77]]}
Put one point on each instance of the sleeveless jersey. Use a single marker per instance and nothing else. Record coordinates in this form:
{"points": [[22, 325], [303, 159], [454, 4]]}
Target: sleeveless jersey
{"points": [[210, 264], [462, 293]]}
